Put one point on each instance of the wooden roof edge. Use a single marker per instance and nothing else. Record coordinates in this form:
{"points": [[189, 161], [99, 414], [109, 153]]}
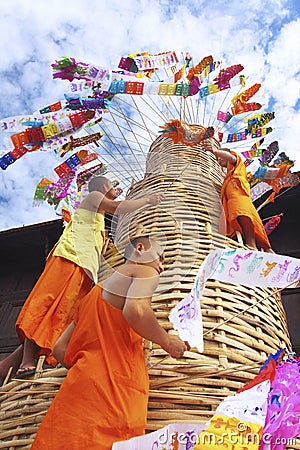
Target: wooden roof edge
{"points": [[29, 227]]}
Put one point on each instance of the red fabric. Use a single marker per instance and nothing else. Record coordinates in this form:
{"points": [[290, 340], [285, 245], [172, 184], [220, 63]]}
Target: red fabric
{"points": [[50, 307], [268, 373], [104, 396]]}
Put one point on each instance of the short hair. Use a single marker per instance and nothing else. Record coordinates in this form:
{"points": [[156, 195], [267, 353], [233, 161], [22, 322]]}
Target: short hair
{"points": [[97, 183], [145, 240]]}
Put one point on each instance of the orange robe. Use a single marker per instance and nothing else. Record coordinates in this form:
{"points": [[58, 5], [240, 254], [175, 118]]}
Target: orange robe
{"points": [[105, 394], [236, 201], [50, 306], [68, 276]]}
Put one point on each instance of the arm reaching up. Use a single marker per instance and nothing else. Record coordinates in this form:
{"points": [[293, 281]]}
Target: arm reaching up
{"points": [[223, 156], [96, 201]]}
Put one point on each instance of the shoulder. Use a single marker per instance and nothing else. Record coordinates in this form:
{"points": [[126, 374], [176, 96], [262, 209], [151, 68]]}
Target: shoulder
{"points": [[233, 158], [138, 271], [144, 281], [94, 195], [92, 201], [145, 271]]}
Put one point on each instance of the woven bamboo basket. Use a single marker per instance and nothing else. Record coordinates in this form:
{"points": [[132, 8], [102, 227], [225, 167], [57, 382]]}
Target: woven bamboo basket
{"points": [[186, 222]]}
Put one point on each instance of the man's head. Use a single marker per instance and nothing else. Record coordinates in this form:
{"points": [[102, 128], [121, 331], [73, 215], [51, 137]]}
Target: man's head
{"points": [[144, 250], [103, 185]]}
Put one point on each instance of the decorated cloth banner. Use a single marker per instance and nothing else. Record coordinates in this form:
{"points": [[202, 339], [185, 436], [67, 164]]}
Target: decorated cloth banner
{"points": [[240, 105], [282, 424], [72, 174], [272, 223], [258, 121], [77, 102], [225, 117], [253, 153], [238, 136], [213, 88], [130, 81], [270, 173], [289, 180], [52, 136], [262, 415], [77, 191], [242, 417], [244, 135], [235, 266], [280, 170], [37, 133], [144, 61], [182, 132], [68, 69], [80, 142], [266, 155], [56, 112], [239, 101], [283, 160], [258, 143], [258, 190], [51, 113], [206, 63]]}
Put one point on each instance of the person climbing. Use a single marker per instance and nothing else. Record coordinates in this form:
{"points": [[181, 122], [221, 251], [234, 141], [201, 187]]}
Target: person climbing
{"points": [[69, 274], [239, 213], [104, 396]]}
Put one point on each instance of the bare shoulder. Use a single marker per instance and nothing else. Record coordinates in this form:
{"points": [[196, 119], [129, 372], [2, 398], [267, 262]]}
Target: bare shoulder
{"points": [[144, 281], [143, 271], [233, 157], [132, 281], [92, 201]]}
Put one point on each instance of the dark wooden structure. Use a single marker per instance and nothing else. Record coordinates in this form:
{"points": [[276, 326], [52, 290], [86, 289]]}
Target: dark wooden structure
{"points": [[285, 239], [23, 255]]}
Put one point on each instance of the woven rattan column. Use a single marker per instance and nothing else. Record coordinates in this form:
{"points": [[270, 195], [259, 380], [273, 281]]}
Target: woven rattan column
{"points": [[186, 222]]}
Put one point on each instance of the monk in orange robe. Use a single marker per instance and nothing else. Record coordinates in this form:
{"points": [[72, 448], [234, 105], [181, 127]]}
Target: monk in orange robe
{"points": [[104, 396], [239, 213], [69, 274]]}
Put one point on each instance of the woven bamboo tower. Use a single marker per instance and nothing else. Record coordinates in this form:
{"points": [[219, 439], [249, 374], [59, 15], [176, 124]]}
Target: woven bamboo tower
{"points": [[186, 222]]}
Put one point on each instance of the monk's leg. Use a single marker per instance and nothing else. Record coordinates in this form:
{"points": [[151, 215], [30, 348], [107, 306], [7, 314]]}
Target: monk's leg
{"points": [[29, 354], [248, 231], [263, 245], [13, 360]]}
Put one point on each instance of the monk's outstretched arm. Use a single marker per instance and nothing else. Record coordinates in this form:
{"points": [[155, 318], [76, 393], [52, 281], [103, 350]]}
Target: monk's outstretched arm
{"points": [[225, 155], [138, 313], [96, 201]]}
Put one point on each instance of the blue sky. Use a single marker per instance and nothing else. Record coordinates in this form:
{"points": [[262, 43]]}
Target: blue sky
{"points": [[262, 35]]}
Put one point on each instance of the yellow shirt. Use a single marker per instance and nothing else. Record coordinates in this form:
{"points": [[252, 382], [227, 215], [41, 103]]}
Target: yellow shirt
{"points": [[82, 240]]}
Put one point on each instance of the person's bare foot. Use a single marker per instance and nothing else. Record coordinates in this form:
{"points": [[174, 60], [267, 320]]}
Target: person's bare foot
{"points": [[25, 372], [251, 248], [13, 360]]}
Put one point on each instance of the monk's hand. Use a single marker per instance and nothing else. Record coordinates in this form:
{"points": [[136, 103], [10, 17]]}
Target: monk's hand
{"points": [[208, 147], [176, 346], [155, 199]]}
